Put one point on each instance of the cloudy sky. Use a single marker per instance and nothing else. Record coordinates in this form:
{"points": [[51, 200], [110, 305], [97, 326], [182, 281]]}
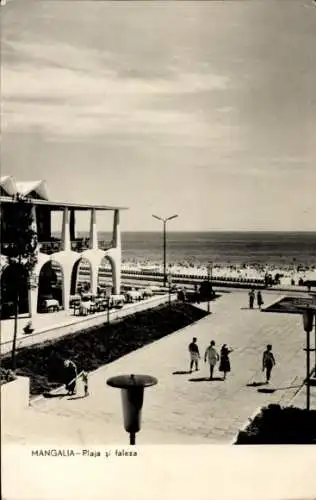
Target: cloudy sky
{"points": [[205, 109]]}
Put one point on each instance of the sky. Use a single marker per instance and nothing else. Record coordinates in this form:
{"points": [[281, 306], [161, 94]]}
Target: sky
{"points": [[202, 109]]}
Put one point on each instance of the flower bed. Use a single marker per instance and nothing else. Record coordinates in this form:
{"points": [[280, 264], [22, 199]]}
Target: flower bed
{"points": [[100, 345], [280, 425]]}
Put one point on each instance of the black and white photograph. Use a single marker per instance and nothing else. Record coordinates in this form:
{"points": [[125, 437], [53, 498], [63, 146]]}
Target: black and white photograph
{"points": [[158, 232]]}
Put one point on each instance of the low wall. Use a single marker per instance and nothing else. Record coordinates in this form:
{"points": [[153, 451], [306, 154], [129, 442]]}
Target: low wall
{"points": [[15, 396]]}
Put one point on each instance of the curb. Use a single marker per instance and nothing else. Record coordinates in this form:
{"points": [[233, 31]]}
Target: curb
{"points": [[265, 309], [245, 424]]}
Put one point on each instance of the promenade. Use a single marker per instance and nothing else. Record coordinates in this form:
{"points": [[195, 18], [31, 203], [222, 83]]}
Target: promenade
{"points": [[183, 408], [50, 326]]}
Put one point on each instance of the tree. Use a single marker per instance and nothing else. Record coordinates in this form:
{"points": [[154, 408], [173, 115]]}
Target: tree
{"points": [[21, 250]]}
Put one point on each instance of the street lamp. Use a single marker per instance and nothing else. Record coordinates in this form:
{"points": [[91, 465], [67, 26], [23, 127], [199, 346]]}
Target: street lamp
{"points": [[164, 221], [132, 387], [209, 276], [308, 316], [169, 287], [314, 306]]}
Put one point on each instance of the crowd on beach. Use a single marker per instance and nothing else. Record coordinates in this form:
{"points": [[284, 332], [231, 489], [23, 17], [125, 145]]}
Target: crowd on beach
{"points": [[288, 274]]}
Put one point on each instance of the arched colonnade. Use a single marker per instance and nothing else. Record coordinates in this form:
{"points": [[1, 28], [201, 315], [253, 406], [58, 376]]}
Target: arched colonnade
{"points": [[68, 263]]}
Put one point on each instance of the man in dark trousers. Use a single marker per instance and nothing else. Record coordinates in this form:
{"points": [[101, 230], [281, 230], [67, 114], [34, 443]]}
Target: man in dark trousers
{"points": [[194, 354], [251, 295], [268, 362]]}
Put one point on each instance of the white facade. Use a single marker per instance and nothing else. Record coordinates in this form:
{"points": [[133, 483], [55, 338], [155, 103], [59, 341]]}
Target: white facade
{"points": [[66, 257]]}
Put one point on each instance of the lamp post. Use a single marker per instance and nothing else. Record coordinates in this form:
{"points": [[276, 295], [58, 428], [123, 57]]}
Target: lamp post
{"points": [[132, 391], [308, 316], [209, 275], [164, 221], [108, 304], [314, 306], [169, 287]]}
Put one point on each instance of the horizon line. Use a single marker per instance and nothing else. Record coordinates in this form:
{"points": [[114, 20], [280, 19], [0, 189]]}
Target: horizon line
{"points": [[204, 231]]}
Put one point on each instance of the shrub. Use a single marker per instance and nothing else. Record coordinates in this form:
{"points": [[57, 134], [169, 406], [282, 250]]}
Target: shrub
{"points": [[280, 425], [6, 376]]}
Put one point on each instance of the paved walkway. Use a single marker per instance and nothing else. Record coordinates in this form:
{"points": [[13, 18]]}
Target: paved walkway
{"points": [[182, 408]]}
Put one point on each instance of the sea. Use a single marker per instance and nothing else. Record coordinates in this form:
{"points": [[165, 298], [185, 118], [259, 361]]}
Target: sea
{"points": [[222, 248]]}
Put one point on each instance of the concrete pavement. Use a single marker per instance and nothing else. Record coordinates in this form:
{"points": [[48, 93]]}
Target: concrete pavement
{"points": [[182, 408]]}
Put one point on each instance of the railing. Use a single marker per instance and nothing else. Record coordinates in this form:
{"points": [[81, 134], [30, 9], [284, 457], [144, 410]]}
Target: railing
{"points": [[79, 245]]}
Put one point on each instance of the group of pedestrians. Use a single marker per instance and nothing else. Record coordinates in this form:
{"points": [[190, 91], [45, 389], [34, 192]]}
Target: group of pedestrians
{"points": [[252, 297], [212, 357]]}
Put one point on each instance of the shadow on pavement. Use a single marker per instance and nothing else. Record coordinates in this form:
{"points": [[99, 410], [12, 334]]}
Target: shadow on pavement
{"points": [[255, 384], [270, 390], [205, 379], [77, 397], [288, 387], [181, 372], [49, 395]]}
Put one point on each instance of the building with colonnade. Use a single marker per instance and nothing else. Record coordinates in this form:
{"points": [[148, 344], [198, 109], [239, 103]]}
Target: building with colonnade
{"points": [[63, 254]]}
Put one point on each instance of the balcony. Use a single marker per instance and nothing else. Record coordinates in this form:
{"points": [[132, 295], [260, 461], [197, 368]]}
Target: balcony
{"points": [[49, 247], [78, 245]]}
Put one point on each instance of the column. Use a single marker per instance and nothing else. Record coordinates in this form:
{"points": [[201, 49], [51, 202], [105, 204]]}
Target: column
{"points": [[94, 278], [33, 278], [72, 224], [116, 274], [34, 225], [33, 298], [116, 230], [66, 244], [66, 287], [93, 230]]}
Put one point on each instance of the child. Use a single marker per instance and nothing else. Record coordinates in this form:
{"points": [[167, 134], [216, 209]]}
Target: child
{"points": [[84, 377]]}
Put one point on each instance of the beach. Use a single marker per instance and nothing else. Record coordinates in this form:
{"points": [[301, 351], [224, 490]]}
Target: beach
{"points": [[287, 274], [237, 255]]}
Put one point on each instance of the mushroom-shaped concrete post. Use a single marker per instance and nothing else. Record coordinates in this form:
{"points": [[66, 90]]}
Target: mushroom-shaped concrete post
{"points": [[132, 387]]}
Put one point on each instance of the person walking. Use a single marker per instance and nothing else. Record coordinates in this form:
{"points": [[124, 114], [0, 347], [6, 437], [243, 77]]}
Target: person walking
{"points": [[70, 376], [211, 355], [224, 365], [268, 362], [259, 299], [251, 298], [194, 354]]}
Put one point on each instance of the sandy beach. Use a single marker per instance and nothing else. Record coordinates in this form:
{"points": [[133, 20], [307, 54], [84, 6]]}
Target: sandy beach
{"points": [[287, 273]]}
